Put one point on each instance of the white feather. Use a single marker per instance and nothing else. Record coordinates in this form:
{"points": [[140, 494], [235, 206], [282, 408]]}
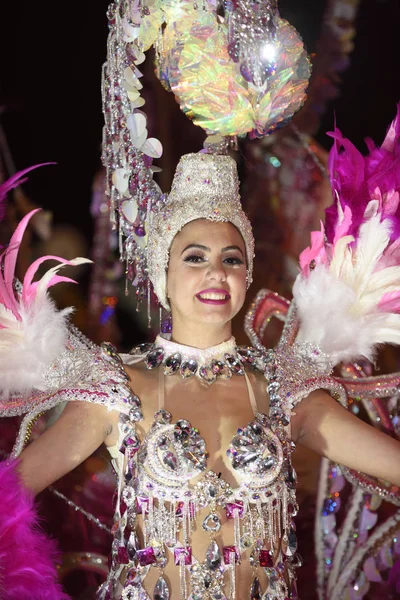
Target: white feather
{"points": [[329, 315], [30, 346], [373, 239]]}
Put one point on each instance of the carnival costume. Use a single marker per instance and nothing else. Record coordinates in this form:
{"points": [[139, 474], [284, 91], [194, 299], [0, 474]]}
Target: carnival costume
{"points": [[357, 260]]}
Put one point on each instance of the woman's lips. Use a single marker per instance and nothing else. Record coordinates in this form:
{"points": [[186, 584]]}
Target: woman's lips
{"points": [[213, 296]]}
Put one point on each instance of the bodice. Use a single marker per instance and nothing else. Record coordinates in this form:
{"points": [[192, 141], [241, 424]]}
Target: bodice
{"points": [[167, 491]]}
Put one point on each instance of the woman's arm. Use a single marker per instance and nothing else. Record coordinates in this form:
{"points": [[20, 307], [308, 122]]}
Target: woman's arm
{"points": [[326, 427], [80, 430]]}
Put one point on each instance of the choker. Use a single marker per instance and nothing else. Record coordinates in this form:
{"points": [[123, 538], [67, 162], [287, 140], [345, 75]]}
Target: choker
{"points": [[221, 361]]}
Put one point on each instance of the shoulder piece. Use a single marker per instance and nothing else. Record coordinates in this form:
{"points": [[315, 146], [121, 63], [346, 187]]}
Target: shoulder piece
{"points": [[82, 372]]}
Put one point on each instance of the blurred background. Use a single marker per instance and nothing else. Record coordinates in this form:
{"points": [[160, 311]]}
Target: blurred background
{"points": [[50, 110]]}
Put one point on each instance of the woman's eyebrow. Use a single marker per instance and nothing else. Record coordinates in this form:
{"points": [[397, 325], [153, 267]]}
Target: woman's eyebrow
{"points": [[198, 246], [207, 249], [233, 248]]}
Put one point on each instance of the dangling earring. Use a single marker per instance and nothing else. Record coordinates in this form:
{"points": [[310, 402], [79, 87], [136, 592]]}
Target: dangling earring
{"points": [[166, 323]]}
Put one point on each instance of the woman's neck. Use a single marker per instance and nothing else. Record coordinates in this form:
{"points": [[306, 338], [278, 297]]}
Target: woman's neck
{"points": [[201, 335]]}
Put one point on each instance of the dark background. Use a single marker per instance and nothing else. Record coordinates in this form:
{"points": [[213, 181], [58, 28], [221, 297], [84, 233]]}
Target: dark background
{"points": [[51, 57]]}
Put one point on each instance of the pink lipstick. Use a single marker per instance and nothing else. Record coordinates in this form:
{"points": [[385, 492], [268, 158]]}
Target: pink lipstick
{"points": [[216, 296]]}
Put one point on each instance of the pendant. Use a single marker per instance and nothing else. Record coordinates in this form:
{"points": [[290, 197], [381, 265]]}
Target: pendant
{"points": [[213, 556], [212, 523], [161, 590], [255, 590]]}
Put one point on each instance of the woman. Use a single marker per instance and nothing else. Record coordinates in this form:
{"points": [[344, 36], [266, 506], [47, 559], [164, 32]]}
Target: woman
{"points": [[205, 501]]}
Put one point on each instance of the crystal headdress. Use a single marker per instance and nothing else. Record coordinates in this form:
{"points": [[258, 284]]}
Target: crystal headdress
{"points": [[205, 186], [246, 76]]}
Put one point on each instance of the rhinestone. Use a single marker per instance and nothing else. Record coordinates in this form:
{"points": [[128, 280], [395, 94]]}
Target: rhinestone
{"points": [[141, 349], [161, 590], [255, 590], [182, 430], [221, 369], [265, 559], [289, 543], [227, 551], [206, 373], [273, 387], [154, 358], [212, 523], [172, 364], [170, 460], [213, 556], [188, 368], [234, 364], [142, 504], [109, 351], [146, 556], [263, 419], [231, 507], [129, 496], [186, 552], [266, 464], [163, 417]]}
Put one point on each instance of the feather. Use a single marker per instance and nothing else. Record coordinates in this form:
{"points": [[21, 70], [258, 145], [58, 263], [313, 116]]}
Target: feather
{"points": [[27, 556], [32, 331], [13, 182], [350, 304]]}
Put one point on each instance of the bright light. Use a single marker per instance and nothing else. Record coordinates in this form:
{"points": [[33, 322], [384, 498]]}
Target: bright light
{"points": [[268, 52]]}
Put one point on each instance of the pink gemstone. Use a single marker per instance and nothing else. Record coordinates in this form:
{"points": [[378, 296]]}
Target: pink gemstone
{"points": [[122, 555], [227, 551], [146, 556], [179, 509], [187, 552], [265, 559], [232, 507], [142, 503]]}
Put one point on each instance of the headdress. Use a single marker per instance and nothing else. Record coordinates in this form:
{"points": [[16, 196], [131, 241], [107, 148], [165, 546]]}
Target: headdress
{"points": [[206, 186], [249, 77]]}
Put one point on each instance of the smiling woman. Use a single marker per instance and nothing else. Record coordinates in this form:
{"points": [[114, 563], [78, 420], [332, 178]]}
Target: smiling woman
{"points": [[201, 431], [209, 258]]}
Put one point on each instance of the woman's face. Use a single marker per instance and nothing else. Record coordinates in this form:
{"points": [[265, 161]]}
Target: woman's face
{"points": [[207, 272]]}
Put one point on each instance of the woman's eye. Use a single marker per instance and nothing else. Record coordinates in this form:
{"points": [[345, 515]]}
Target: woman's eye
{"points": [[233, 260], [194, 258]]}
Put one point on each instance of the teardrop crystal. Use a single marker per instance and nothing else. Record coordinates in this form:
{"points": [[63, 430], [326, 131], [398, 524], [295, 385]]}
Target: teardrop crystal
{"points": [[161, 590], [255, 590], [213, 556], [212, 523]]}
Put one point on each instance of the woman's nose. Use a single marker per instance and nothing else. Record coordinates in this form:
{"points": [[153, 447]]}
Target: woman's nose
{"points": [[217, 271]]}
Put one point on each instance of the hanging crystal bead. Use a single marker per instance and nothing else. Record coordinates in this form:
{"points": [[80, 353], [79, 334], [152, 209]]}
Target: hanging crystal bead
{"points": [[161, 590], [255, 590], [213, 556], [289, 543], [212, 523]]}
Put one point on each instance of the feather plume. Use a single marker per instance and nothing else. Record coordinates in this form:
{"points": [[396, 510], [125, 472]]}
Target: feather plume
{"points": [[32, 331], [27, 556], [13, 182], [350, 303]]}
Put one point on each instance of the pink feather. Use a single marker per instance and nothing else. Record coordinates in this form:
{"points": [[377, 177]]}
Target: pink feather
{"points": [[26, 555], [13, 182], [316, 252]]}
